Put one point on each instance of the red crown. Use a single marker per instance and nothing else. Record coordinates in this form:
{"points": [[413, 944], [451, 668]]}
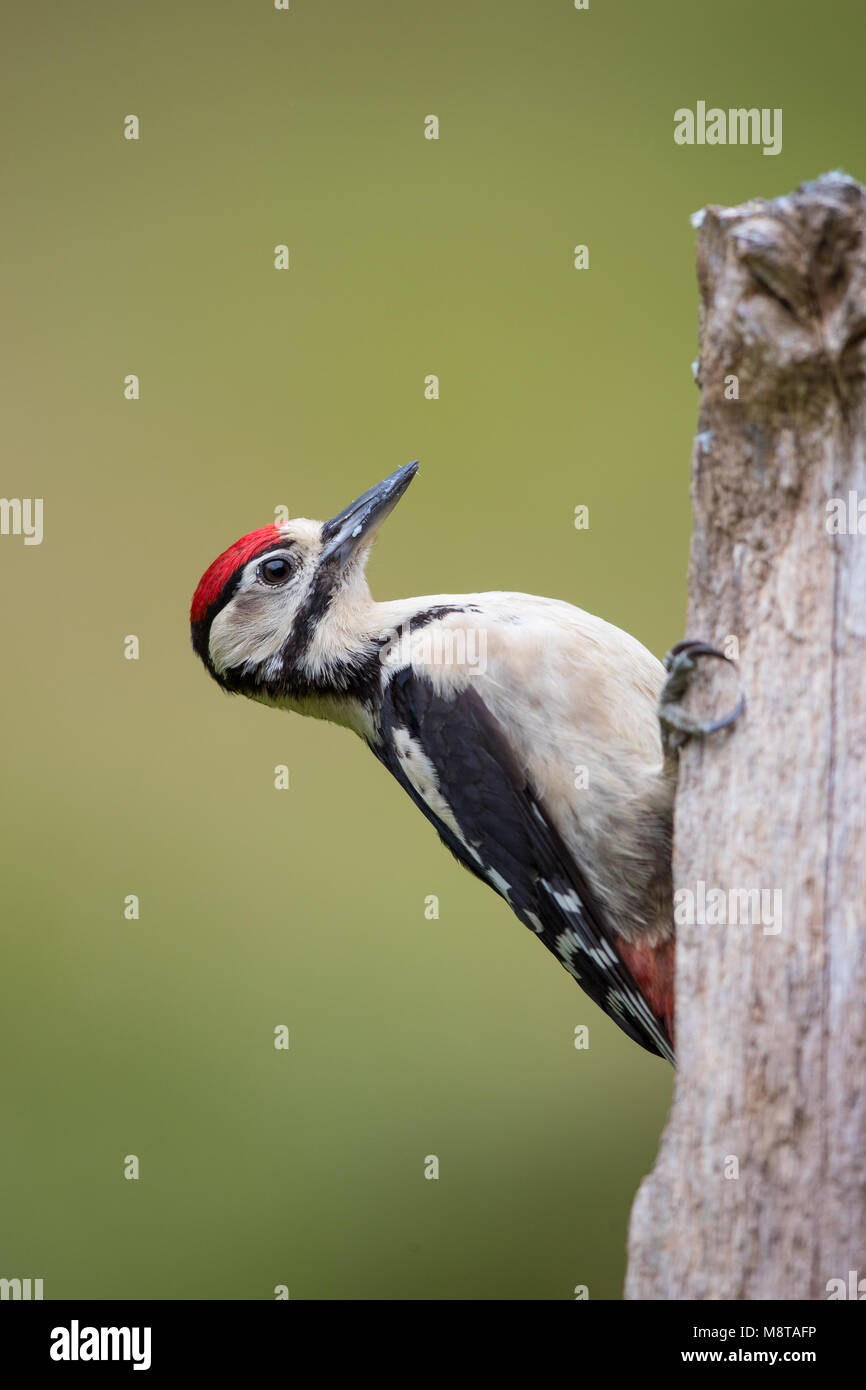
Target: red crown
{"points": [[214, 579]]}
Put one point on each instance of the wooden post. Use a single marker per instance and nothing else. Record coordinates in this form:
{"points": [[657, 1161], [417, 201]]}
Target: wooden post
{"points": [[759, 1188]]}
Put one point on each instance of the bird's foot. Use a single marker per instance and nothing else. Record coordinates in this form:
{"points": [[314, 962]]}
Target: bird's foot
{"points": [[677, 726]]}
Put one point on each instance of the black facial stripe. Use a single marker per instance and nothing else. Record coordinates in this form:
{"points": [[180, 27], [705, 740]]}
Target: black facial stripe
{"points": [[307, 618], [429, 615], [199, 631], [355, 676], [358, 676]]}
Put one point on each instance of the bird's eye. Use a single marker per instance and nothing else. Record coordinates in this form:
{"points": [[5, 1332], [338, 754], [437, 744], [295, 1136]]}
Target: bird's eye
{"points": [[275, 571]]}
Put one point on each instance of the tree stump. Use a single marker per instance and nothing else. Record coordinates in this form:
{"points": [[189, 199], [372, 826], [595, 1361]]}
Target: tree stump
{"points": [[759, 1188]]}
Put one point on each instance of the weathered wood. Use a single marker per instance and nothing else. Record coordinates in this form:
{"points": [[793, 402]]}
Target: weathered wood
{"points": [[771, 1025]]}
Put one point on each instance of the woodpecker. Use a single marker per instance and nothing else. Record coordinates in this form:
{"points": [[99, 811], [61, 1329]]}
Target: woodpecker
{"points": [[525, 730]]}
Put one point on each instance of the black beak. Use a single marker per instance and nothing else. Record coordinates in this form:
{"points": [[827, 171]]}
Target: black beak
{"points": [[356, 526]]}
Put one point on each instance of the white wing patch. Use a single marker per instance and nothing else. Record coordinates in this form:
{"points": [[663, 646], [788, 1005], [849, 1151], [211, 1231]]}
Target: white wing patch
{"points": [[498, 882], [567, 947], [569, 902], [603, 954], [422, 774]]}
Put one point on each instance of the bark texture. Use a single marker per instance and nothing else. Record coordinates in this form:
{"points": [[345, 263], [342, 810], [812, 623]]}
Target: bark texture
{"points": [[771, 1023]]}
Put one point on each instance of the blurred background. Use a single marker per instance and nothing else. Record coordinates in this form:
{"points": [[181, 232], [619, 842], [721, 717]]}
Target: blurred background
{"points": [[261, 388]]}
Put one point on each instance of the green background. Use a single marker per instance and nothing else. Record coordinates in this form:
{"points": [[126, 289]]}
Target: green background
{"points": [[260, 388]]}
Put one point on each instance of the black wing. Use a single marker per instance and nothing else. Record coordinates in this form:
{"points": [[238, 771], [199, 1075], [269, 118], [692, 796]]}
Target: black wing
{"points": [[450, 755]]}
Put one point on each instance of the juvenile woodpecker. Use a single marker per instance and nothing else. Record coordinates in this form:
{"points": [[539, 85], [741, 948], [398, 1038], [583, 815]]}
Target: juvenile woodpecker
{"points": [[524, 729]]}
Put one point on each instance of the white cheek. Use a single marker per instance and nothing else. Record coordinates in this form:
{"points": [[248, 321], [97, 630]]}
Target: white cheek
{"points": [[239, 636]]}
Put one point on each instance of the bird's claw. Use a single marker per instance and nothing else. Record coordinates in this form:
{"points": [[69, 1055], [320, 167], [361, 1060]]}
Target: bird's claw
{"points": [[677, 726]]}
